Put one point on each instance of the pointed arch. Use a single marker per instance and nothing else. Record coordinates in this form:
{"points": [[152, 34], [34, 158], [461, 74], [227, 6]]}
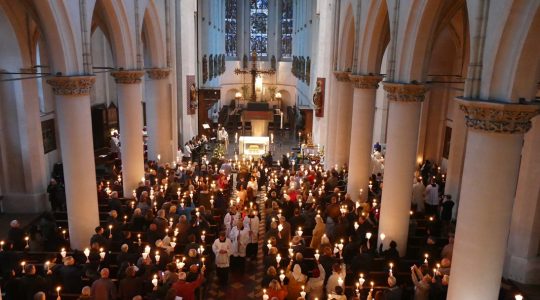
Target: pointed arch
{"points": [[374, 35], [346, 40], [512, 68], [154, 36], [119, 30]]}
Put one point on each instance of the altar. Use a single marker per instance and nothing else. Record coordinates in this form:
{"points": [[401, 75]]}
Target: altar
{"points": [[255, 146]]}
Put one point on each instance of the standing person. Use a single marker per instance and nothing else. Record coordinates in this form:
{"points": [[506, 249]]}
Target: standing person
{"points": [[239, 237], [222, 248], [418, 195], [432, 198], [104, 288], [446, 213], [230, 219], [251, 221]]}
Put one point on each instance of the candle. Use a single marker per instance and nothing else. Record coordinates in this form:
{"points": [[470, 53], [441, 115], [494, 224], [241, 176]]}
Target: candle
{"points": [[518, 297], [58, 288], [340, 281], [157, 256], [426, 258], [391, 266], [155, 281], [361, 280], [101, 253], [23, 263], [1, 245], [282, 276], [87, 253], [278, 259], [317, 255]]}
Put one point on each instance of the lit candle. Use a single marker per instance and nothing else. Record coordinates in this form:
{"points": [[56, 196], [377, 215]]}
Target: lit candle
{"points": [[23, 263], [518, 297], [58, 288], [317, 255], [278, 259], [361, 280], [282, 276], [155, 281], [157, 257], [87, 253], [1, 245], [426, 258], [101, 253]]}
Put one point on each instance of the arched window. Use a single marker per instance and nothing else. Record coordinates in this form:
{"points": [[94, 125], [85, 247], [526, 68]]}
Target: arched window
{"points": [[249, 23], [258, 23], [286, 28], [231, 28]]}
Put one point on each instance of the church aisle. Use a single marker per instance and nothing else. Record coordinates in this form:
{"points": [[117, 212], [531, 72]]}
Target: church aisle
{"points": [[248, 284]]}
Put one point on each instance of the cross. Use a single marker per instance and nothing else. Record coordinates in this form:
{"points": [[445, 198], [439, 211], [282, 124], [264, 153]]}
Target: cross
{"points": [[254, 73]]}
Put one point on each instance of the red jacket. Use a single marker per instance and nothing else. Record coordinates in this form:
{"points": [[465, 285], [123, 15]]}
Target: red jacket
{"points": [[186, 290]]}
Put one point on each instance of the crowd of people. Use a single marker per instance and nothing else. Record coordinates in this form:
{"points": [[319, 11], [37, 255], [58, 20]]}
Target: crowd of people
{"points": [[191, 219]]}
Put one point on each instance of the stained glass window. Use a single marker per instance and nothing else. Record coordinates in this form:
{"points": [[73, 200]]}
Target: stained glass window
{"points": [[231, 27], [286, 28], [258, 20]]}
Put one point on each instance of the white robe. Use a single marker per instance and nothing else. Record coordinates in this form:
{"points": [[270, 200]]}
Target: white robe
{"points": [[222, 259], [252, 224], [229, 222], [240, 239]]}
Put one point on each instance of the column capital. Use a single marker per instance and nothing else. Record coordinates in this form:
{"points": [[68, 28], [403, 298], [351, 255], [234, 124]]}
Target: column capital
{"points": [[127, 76], [498, 117], [157, 74], [342, 76], [365, 81], [403, 92], [71, 85]]}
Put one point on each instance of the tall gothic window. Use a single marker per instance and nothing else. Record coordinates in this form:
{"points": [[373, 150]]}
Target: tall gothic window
{"points": [[231, 27], [258, 20], [286, 28]]}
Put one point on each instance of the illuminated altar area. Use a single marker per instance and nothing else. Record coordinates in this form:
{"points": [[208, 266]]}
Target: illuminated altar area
{"points": [[255, 146]]}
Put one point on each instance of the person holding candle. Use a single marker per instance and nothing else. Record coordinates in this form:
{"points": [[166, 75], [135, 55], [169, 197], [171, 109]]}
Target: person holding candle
{"points": [[296, 281], [222, 248], [69, 275], [338, 272], [16, 236], [421, 283], [393, 292], [276, 290], [315, 283], [185, 289]]}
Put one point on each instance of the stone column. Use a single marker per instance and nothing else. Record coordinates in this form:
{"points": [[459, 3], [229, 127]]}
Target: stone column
{"points": [[363, 112], [490, 175], [343, 118], [522, 262], [75, 132], [159, 116], [131, 123], [405, 102]]}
